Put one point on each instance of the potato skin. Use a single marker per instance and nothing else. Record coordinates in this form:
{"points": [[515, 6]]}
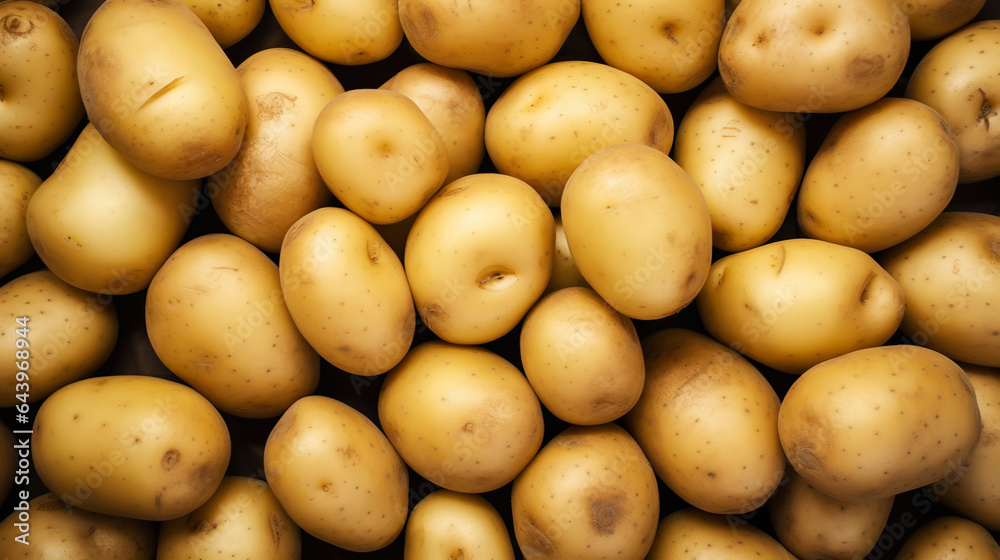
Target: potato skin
{"points": [[950, 538], [692, 533], [933, 19], [17, 185], [228, 21], [456, 525], [348, 33]]}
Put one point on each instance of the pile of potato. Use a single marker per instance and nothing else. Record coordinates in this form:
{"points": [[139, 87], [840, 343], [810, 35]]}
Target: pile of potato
{"points": [[564, 279]]}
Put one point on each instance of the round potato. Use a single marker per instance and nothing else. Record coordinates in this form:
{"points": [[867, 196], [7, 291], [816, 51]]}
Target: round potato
{"points": [[333, 264], [639, 230], [17, 185], [882, 174], [692, 533], [879, 421], [41, 95], [242, 518], [228, 21], [160, 89], [130, 445], [216, 318], [950, 276], [813, 57], [589, 493], [549, 120], [794, 303], [336, 475], [448, 524], [462, 417], [348, 33], [273, 180], [950, 538], [57, 334], [933, 19]]}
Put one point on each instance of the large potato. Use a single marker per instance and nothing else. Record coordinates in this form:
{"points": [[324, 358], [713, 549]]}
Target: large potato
{"points": [[793, 303], [130, 445], [349, 33], [41, 104], [879, 421], [692, 533], [17, 185], [160, 89], [454, 525], [639, 230], [950, 538], [813, 57]]}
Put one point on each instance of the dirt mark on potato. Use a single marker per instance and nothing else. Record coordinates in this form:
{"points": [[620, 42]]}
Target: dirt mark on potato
{"points": [[606, 510], [270, 106]]}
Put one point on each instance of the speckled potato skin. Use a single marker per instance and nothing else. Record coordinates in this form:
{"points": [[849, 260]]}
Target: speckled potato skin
{"points": [[17, 185], [708, 422], [882, 174], [818, 57], [589, 493], [933, 19], [228, 21], [462, 417], [215, 316], [336, 475], [950, 538], [348, 33], [130, 445], [448, 524], [879, 421], [691, 533]]}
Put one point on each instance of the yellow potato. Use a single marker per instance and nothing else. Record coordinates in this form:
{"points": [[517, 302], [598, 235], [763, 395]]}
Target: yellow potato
{"points": [[448, 524], [638, 229], [228, 20], [879, 421], [66, 335], [565, 274], [160, 89], [882, 174], [215, 316], [794, 303], [41, 96], [462, 417], [130, 445], [347, 291], [933, 19], [336, 475], [273, 180], [349, 33], [17, 185], [692, 533], [549, 120], [950, 538]]}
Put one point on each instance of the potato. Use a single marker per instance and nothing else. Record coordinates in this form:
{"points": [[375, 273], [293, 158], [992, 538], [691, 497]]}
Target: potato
{"points": [[54, 529], [160, 89], [973, 489], [478, 256], [639, 230], [565, 274], [814, 526], [933, 19], [462, 417], [336, 475], [451, 100], [67, 334], [216, 318], [490, 38], [813, 57], [41, 96], [708, 422], [347, 291], [101, 224], [228, 21], [348, 33], [673, 47], [581, 357], [747, 162], [882, 174], [794, 303], [242, 518], [130, 445], [950, 275], [273, 180], [548, 121], [379, 154], [17, 185], [879, 421], [949, 538], [959, 77], [448, 524], [589, 493], [692, 533]]}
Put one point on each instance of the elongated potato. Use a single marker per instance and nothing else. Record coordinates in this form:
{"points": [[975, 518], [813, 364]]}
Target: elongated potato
{"points": [[690, 532]]}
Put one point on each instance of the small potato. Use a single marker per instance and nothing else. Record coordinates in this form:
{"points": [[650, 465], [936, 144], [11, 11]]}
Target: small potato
{"points": [[67, 335], [950, 538], [243, 519], [379, 154], [582, 358], [589, 493], [17, 185], [708, 422], [692, 533], [933, 19], [336, 475], [40, 94], [130, 445], [794, 303], [228, 21], [348, 33], [639, 230], [454, 525], [565, 274], [462, 417], [879, 421]]}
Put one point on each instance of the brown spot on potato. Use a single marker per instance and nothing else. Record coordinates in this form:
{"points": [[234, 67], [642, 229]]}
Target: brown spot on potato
{"points": [[277, 526], [14, 27], [864, 68], [536, 542], [270, 106], [419, 22], [170, 459], [606, 511], [660, 129], [458, 554], [51, 504]]}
